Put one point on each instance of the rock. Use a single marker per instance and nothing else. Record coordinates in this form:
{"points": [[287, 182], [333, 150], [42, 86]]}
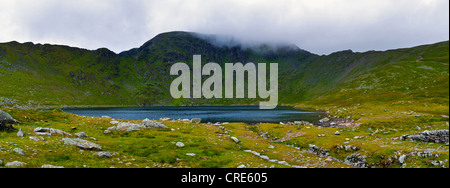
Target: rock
{"points": [[6, 119], [271, 147], [242, 166], [51, 166], [149, 124], [83, 144], [19, 151], [107, 132], [1, 162], [50, 131], [428, 151], [440, 136], [165, 119], [356, 160], [180, 144], [235, 140], [196, 120], [36, 139], [191, 154], [402, 159], [324, 120], [337, 133], [20, 133], [15, 164], [114, 122], [103, 154], [81, 135]]}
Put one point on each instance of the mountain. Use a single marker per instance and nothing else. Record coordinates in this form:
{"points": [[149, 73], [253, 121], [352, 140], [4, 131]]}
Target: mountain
{"points": [[36, 74]]}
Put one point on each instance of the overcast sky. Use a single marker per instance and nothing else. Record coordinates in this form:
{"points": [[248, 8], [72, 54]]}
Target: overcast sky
{"points": [[319, 26]]}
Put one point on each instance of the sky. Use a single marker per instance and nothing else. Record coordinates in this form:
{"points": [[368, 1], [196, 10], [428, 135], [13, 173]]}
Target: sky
{"points": [[318, 26]]}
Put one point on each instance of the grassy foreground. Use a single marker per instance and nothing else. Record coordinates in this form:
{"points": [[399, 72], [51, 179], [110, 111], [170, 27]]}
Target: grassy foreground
{"points": [[214, 147]]}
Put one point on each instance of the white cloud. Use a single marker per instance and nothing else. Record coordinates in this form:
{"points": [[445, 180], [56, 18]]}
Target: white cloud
{"points": [[321, 26]]}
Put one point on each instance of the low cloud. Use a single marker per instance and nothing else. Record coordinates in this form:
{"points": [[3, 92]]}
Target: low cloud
{"points": [[322, 26]]}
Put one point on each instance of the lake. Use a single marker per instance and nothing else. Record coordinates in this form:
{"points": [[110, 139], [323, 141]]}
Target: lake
{"points": [[245, 114]]}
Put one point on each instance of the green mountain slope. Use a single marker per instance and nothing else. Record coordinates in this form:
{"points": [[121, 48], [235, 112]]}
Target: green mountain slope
{"points": [[34, 74]]}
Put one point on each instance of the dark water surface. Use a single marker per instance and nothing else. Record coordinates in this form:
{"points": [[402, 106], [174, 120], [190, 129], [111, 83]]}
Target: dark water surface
{"points": [[245, 114]]}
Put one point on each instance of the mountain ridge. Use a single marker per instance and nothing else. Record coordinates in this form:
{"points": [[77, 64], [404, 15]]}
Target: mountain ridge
{"points": [[140, 76]]}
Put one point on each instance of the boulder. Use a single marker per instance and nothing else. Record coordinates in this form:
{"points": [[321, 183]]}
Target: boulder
{"points": [[196, 120], [83, 144], [151, 124], [49, 131], [51, 166], [20, 133], [16, 164], [6, 119], [81, 135], [19, 151], [235, 139], [103, 154], [180, 144]]}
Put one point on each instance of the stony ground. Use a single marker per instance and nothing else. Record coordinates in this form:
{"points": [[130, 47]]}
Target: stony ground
{"points": [[52, 139]]}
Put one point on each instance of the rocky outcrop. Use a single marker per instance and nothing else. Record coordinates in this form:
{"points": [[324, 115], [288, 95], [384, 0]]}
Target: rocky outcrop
{"points": [[357, 160], [440, 136], [318, 151]]}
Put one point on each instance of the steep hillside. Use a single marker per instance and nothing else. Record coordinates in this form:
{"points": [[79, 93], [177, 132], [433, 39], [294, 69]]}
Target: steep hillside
{"points": [[35, 74]]}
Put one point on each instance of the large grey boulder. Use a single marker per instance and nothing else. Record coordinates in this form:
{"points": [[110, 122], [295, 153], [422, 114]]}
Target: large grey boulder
{"points": [[6, 119]]}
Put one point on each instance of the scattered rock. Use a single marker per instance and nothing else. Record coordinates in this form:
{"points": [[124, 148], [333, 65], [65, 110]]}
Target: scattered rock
{"points": [[318, 151], [337, 133], [196, 120], [104, 154], [150, 124], [242, 166], [50, 131], [20, 133], [440, 136], [19, 151], [81, 135], [402, 159], [83, 144], [180, 144], [146, 124], [37, 139], [235, 140], [16, 164], [191, 154], [271, 147], [324, 120], [107, 132], [357, 160], [51, 166]]}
